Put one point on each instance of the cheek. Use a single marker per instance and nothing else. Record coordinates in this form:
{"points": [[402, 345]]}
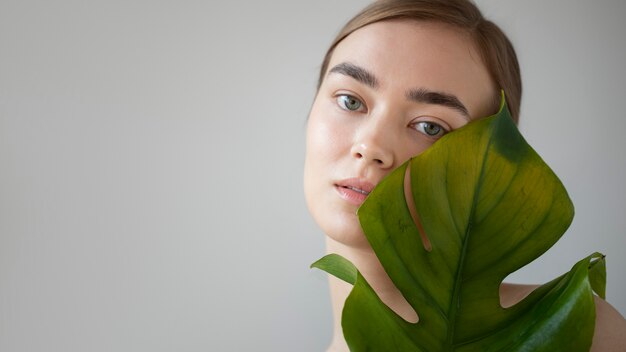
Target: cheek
{"points": [[411, 147], [319, 152], [327, 146], [328, 138]]}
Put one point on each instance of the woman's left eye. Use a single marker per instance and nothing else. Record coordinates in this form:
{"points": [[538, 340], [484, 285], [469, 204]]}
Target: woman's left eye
{"points": [[430, 129], [349, 102]]}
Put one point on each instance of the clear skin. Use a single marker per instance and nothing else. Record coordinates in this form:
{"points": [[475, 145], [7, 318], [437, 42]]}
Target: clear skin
{"points": [[387, 128], [364, 123]]}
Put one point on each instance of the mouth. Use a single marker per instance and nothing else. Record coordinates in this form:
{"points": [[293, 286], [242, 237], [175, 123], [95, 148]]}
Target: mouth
{"points": [[354, 190]]}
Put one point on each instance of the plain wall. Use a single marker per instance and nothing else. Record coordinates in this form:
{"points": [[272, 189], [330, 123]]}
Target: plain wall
{"points": [[151, 160]]}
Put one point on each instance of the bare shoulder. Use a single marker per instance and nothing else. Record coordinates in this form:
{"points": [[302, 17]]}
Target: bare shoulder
{"points": [[513, 293], [610, 331]]}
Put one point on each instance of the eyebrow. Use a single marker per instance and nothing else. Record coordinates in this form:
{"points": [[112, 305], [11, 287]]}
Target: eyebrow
{"points": [[420, 95], [358, 73]]}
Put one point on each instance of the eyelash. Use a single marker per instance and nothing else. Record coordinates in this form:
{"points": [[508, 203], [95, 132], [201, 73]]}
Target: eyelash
{"points": [[421, 126], [342, 99]]}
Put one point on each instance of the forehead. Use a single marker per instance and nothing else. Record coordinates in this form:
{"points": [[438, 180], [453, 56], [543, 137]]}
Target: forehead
{"points": [[409, 54]]}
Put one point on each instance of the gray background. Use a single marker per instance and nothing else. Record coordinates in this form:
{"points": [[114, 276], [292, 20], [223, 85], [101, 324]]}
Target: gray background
{"points": [[151, 156]]}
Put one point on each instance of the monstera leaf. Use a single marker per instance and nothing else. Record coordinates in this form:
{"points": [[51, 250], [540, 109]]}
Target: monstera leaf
{"points": [[485, 205]]}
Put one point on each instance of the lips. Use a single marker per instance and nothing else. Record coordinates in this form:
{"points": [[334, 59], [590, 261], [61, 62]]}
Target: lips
{"points": [[354, 190]]}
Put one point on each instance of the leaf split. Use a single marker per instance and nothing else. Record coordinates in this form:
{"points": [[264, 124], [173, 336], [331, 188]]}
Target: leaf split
{"points": [[448, 226]]}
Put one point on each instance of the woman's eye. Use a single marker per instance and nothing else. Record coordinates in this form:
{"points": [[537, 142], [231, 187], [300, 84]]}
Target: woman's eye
{"points": [[430, 129], [349, 102]]}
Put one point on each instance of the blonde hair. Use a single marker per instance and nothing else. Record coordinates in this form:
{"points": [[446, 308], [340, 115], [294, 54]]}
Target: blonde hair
{"points": [[496, 50]]}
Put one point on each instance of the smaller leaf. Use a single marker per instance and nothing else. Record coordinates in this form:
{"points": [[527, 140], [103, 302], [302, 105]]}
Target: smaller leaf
{"points": [[597, 274], [338, 266]]}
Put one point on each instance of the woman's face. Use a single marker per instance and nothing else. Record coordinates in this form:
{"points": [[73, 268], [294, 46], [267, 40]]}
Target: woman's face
{"points": [[391, 90]]}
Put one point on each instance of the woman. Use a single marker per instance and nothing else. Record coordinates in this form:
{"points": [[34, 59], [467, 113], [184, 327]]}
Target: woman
{"points": [[400, 75]]}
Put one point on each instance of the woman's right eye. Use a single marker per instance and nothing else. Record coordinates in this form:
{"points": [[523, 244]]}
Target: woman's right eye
{"points": [[348, 102]]}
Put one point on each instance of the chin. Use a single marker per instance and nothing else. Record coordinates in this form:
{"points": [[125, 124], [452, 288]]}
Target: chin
{"points": [[336, 218], [345, 230]]}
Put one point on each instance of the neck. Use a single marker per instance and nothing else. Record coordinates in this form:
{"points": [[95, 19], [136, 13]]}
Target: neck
{"points": [[369, 266]]}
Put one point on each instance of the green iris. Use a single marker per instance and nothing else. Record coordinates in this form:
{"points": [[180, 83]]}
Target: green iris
{"points": [[350, 103], [432, 129]]}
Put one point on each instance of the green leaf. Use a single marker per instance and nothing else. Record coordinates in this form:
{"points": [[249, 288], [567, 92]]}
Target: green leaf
{"points": [[338, 266], [597, 274], [488, 205]]}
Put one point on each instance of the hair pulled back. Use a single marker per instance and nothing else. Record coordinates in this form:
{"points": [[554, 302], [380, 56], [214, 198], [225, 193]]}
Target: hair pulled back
{"points": [[495, 49]]}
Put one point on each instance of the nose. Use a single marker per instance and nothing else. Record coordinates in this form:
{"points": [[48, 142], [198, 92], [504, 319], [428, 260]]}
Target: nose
{"points": [[374, 147]]}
